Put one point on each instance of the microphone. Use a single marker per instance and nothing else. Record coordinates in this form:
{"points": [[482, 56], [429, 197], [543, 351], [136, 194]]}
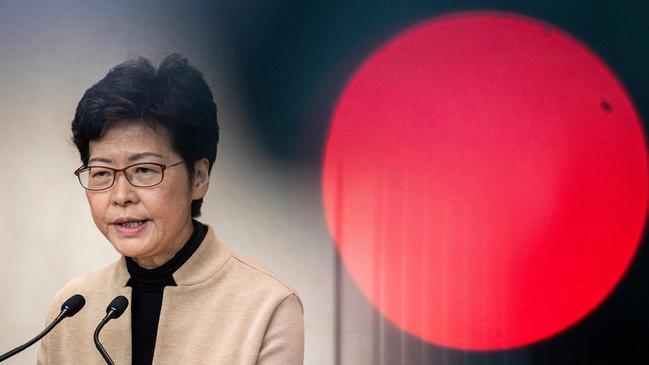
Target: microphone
{"points": [[69, 308], [114, 310]]}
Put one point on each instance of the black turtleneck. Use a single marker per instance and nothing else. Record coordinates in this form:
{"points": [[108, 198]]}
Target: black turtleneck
{"points": [[146, 300]]}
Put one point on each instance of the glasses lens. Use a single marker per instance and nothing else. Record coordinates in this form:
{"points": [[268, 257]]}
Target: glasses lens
{"points": [[96, 178], [144, 174]]}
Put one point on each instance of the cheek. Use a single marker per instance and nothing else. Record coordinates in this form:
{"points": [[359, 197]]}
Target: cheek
{"points": [[166, 204], [97, 206], [93, 203], [177, 195]]}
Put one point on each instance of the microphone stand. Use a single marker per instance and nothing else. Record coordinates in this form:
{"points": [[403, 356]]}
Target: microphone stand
{"points": [[18, 349], [98, 344], [69, 308], [114, 310]]}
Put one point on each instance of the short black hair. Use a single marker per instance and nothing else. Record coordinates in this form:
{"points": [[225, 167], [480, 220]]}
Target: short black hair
{"points": [[175, 97]]}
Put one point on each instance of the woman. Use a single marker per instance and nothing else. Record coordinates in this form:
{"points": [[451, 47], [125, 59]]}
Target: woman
{"points": [[147, 140]]}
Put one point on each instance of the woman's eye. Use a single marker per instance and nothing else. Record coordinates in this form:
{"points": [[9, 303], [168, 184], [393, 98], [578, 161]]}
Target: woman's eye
{"points": [[100, 174], [142, 170], [145, 170]]}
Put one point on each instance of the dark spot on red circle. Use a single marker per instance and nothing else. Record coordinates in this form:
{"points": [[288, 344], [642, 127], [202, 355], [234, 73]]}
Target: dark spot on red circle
{"points": [[606, 106]]}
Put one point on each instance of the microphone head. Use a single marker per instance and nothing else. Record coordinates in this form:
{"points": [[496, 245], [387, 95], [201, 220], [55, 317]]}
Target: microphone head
{"points": [[73, 305], [118, 306]]}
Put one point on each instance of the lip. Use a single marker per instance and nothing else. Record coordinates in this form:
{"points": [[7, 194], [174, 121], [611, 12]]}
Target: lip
{"points": [[129, 231], [126, 219]]}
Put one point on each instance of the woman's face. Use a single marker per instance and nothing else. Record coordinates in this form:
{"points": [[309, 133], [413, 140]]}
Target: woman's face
{"points": [[149, 224]]}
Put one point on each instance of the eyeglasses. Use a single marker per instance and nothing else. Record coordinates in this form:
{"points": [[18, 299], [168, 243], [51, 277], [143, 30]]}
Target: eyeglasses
{"points": [[142, 175]]}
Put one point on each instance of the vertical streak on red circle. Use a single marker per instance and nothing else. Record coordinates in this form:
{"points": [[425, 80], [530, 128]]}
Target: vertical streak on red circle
{"points": [[485, 180]]}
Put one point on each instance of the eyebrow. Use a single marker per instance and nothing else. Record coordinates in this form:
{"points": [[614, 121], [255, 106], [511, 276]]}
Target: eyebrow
{"points": [[135, 157], [98, 159], [139, 156]]}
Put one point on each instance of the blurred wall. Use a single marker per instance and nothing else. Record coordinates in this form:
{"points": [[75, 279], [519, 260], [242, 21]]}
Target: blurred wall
{"points": [[51, 53]]}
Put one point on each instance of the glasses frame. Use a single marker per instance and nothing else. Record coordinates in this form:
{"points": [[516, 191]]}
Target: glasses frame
{"points": [[163, 167]]}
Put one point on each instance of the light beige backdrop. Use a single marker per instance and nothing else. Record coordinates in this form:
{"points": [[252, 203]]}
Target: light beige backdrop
{"points": [[51, 52]]}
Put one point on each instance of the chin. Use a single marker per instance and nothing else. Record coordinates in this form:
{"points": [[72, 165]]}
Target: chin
{"points": [[130, 244], [133, 248]]}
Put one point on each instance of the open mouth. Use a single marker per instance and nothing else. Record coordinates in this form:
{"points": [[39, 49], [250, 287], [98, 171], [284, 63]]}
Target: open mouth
{"points": [[131, 228], [133, 224]]}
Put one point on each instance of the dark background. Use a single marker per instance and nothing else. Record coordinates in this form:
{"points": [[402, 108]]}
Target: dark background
{"points": [[296, 57]]}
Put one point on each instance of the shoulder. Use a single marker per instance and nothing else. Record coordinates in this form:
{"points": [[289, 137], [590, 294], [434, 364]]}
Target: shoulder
{"points": [[255, 277], [232, 273], [284, 309]]}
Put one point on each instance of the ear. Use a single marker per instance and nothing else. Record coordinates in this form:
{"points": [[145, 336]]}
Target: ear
{"points": [[200, 178]]}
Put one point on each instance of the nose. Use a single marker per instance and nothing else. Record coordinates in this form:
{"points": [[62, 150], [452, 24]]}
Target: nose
{"points": [[122, 192]]}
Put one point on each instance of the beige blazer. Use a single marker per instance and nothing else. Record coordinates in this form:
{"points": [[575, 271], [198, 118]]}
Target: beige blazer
{"points": [[224, 310]]}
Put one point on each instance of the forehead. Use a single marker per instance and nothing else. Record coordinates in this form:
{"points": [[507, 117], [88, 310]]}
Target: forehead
{"points": [[124, 138]]}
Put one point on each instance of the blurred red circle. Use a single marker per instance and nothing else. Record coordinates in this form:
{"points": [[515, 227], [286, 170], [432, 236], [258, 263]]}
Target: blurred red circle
{"points": [[485, 180]]}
